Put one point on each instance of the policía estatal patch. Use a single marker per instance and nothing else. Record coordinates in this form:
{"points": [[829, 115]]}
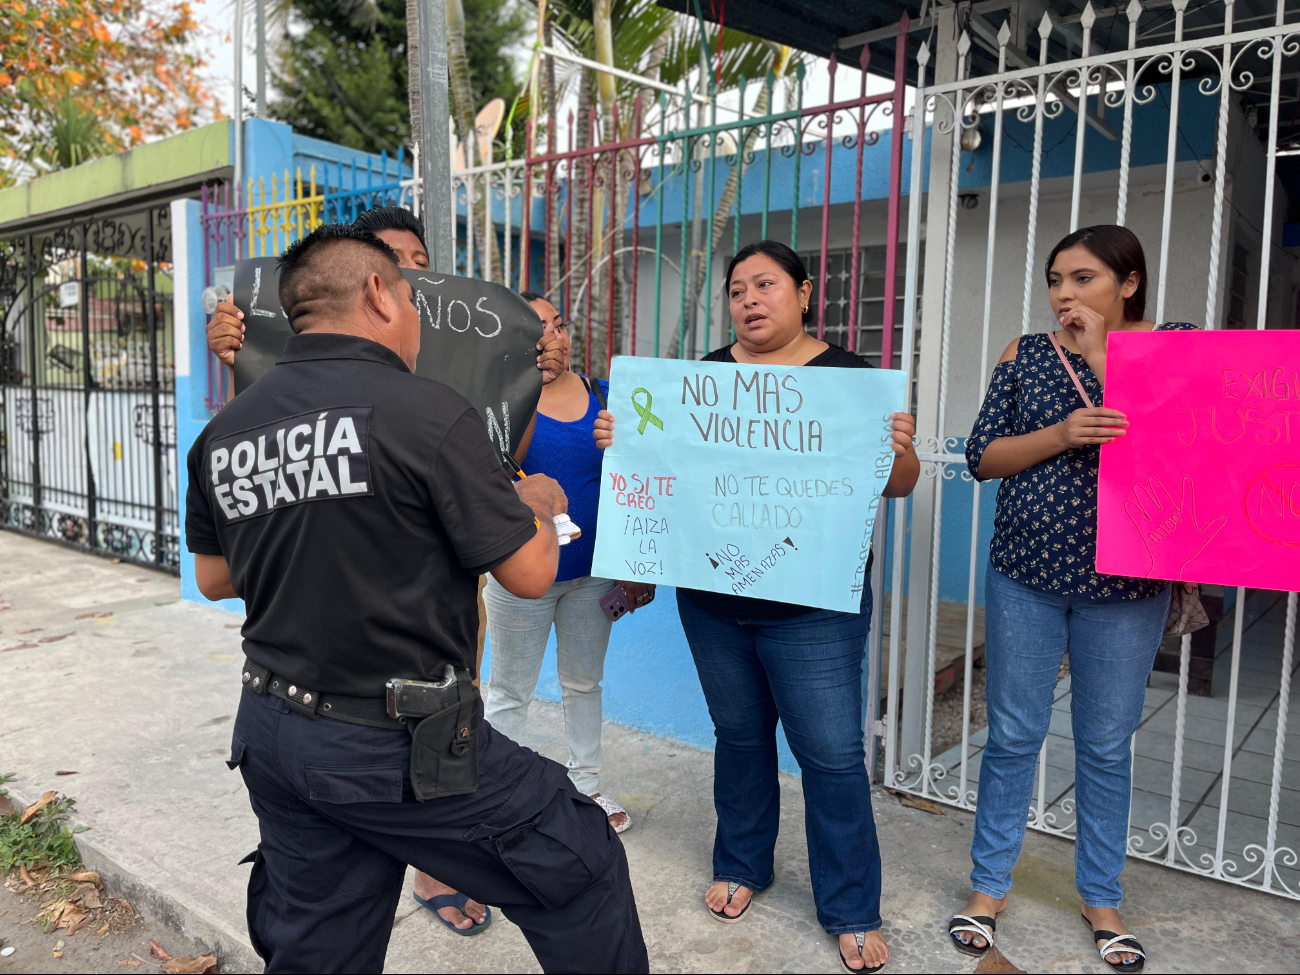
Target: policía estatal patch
{"points": [[309, 457]]}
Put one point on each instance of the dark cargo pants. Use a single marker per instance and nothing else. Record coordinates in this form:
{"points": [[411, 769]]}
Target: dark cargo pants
{"points": [[339, 824]]}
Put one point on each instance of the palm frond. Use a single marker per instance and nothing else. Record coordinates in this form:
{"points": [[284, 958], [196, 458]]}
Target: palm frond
{"points": [[75, 134]]}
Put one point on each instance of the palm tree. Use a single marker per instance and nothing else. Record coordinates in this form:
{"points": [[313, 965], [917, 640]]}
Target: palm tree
{"points": [[641, 37], [413, 71], [462, 98]]}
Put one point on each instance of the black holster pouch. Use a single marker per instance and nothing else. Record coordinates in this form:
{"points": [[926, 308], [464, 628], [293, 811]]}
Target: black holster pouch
{"points": [[444, 746]]}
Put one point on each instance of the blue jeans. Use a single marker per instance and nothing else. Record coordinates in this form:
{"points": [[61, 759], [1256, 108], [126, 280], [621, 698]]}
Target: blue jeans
{"points": [[1112, 645], [806, 671]]}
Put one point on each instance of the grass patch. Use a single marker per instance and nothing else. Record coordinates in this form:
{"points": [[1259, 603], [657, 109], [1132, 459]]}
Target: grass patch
{"points": [[44, 840]]}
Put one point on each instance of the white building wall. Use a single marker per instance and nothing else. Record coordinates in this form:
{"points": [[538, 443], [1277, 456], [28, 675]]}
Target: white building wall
{"points": [[1189, 261]]}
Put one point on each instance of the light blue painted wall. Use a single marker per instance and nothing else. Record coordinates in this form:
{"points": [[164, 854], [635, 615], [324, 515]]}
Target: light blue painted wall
{"points": [[650, 680], [192, 384], [268, 151]]}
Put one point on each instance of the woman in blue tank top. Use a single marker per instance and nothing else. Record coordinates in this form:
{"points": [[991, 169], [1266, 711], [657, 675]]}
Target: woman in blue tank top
{"points": [[561, 446]]}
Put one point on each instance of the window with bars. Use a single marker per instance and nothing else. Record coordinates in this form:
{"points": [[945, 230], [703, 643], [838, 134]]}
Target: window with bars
{"points": [[869, 327]]}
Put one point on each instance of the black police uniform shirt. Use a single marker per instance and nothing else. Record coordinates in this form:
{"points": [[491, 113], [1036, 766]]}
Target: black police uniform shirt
{"points": [[356, 504]]}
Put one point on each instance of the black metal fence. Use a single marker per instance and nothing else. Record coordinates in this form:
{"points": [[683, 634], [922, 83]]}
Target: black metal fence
{"points": [[87, 386]]}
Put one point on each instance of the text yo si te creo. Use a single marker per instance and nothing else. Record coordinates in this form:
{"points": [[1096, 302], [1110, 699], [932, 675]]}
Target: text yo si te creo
{"points": [[642, 492]]}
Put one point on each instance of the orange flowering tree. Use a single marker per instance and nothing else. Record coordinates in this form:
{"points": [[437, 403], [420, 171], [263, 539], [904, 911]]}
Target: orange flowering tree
{"points": [[110, 73]]}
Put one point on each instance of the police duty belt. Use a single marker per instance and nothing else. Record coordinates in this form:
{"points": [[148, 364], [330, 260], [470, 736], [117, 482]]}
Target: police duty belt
{"points": [[372, 712]]}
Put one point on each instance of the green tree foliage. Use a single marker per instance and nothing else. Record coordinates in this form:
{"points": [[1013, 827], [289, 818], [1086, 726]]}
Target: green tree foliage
{"points": [[342, 72]]}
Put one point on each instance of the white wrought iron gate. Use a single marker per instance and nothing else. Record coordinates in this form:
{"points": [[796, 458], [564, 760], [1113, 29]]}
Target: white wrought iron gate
{"points": [[1169, 118]]}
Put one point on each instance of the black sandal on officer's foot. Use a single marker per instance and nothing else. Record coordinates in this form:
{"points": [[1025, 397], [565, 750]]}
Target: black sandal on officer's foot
{"points": [[1110, 943], [722, 916], [980, 925], [861, 938]]}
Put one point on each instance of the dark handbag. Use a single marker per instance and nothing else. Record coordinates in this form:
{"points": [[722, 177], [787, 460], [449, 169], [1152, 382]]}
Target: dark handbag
{"points": [[1186, 614]]}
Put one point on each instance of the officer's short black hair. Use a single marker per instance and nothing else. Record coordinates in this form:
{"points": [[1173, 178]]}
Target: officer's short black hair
{"points": [[531, 296], [324, 270], [391, 218]]}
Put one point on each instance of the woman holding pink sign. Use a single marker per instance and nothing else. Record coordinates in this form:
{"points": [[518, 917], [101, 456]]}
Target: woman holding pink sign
{"points": [[1040, 430]]}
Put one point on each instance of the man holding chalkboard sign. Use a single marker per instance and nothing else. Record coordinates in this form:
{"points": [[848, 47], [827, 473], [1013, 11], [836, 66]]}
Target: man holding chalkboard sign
{"points": [[352, 505], [404, 233]]}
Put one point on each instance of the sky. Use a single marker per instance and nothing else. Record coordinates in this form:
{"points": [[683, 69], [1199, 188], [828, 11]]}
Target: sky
{"points": [[216, 20]]}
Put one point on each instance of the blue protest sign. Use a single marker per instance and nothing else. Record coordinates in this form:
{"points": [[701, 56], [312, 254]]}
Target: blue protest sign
{"points": [[761, 481]]}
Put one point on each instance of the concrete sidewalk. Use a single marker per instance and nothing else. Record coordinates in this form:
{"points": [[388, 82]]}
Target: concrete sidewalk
{"points": [[140, 704]]}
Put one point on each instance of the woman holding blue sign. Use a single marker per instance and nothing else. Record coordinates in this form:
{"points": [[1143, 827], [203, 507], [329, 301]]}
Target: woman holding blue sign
{"points": [[559, 445], [1041, 430], [761, 661]]}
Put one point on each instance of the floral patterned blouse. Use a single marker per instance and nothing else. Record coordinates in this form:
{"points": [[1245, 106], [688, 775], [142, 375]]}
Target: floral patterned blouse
{"points": [[1045, 529]]}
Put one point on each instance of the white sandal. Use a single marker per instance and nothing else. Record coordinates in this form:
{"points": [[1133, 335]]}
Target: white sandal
{"points": [[1110, 943], [980, 925], [612, 808]]}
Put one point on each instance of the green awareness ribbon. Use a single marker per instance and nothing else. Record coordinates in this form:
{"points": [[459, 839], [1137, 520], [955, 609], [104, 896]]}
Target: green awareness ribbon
{"points": [[644, 411]]}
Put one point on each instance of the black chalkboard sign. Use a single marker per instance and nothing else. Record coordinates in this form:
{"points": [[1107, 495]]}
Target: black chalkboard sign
{"points": [[477, 337]]}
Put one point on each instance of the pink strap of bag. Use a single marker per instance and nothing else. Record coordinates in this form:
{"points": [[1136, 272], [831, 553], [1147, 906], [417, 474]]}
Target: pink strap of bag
{"points": [[1074, 378]]}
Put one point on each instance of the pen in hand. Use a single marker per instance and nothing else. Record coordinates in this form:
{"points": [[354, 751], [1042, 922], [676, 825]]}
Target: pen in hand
{"points": [[565, 530]]}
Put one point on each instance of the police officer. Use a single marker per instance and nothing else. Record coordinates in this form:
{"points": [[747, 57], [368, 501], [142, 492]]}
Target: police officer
{"points": [[352, 506], [401, 230]]}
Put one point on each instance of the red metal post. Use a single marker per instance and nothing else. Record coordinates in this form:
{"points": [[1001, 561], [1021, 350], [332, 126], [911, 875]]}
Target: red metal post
{"points": [[568, 230], [615, 235], [636, 223], [549, 272], [826, 205], [855, 265], [895, 192]]}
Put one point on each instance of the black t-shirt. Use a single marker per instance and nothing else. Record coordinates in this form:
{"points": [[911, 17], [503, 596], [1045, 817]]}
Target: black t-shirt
{"points": [[357, 505], [743, 607]]}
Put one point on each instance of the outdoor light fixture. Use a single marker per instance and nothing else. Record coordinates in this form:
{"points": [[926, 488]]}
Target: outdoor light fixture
{"points": [[971, 138]]}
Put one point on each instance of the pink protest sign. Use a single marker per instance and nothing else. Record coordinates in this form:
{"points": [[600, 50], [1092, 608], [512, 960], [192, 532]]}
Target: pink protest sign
{"points": [[1205, 487]]}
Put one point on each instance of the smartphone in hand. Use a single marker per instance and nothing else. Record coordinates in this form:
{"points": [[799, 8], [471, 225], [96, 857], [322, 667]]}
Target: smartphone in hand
{"points": [[615, 603]]}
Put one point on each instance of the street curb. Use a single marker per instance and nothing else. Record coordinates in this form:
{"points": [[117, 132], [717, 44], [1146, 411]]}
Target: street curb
{"points": [[174, 909]]}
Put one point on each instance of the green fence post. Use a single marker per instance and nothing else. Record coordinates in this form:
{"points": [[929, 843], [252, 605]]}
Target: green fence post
{"points": [[659, 224]]}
